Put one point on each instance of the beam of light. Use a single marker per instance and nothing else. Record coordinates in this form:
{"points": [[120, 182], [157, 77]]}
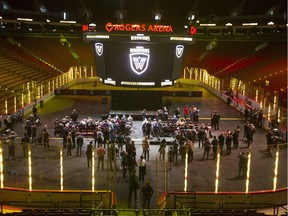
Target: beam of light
{"points": [[61, 168], [22, 100], [1, 166], [257, 95], [15, 104], [269, 112], [186, 170], [217, 172], [30, 167], [93, 171], [276, 169], [279, 115], [248, 171], [6, 106]]}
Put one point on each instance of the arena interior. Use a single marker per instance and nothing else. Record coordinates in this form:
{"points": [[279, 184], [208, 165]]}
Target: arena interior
{"points": [[204, 81]]}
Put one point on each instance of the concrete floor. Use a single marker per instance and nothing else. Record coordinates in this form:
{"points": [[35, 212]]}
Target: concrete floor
{"points": [[201, 173]]}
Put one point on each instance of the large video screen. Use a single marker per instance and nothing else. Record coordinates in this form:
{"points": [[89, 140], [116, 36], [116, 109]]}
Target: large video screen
{"points": [[138, 63]]}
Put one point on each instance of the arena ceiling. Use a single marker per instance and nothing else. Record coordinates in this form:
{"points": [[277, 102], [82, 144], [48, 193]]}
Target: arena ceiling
{"points": [[172, 12]]}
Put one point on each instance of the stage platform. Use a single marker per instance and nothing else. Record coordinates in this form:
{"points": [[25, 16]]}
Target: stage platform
{"points": [[136, 114]]}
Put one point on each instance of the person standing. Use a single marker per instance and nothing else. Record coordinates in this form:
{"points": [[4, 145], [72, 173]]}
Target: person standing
{"points": [[216, 120], [148, 127], [73, 135], [112, 156], [190, 150], [175, 147], [33, 134], [214, 147], [166, 113], [250, 133], [186, 111], [162, 149], [65, 134], [133, 187], [142, 168], [228, 142], [79, 143], [100, 137], [45, 137], [207, 147], [235, 136], [25, 141], [69, 144], [221, 140], [201, 136], [146, 148], [147, 192], [242, 165], [100, 153], [89, 153], [74, 115], [11, 143]]}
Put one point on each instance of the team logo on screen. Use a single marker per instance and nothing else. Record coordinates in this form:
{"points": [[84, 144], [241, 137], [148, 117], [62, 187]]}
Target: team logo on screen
{"points": [[99, 48], [179, 50], [139, 59]]}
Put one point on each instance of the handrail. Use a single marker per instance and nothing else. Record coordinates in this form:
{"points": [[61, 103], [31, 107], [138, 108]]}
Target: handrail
{"points": [[243, 205]]}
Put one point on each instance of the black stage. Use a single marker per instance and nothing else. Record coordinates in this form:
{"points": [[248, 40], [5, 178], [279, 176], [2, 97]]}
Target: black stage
{"points": [[135, 114]]}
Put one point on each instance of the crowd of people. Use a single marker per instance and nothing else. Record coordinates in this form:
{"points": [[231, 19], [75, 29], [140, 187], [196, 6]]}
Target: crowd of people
{"points": [[111, 138]]}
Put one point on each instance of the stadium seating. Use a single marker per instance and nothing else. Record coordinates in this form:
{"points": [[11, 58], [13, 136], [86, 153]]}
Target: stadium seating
{"points": [[50, 50]]}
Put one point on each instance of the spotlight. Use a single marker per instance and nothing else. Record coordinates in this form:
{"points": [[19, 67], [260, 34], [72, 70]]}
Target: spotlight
{"points": [[157, 16]]}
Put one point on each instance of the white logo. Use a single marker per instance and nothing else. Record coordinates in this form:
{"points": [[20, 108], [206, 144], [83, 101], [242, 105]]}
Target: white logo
{"points": [[99, 48], [139, 59], [179, 50]]}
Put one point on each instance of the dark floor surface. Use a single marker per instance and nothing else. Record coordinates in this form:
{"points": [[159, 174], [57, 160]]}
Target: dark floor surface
{"points": [[201, 173]]}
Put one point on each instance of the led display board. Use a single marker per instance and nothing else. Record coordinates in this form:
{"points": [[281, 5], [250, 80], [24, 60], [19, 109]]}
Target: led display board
{"points": [[138, 60]]}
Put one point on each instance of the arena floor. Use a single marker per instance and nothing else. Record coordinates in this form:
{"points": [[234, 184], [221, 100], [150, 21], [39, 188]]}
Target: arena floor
{"points": [[201, 173]]}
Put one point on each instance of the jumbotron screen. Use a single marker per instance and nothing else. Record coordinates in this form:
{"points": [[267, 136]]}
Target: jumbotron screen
{"points": [[138, 63]]}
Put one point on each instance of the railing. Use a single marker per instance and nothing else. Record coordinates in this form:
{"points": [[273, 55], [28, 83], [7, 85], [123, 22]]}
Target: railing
{"points": [[89, 207]]}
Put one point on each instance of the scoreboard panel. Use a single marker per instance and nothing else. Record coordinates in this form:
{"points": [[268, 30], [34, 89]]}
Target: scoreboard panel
{"points": [[138, 60]]}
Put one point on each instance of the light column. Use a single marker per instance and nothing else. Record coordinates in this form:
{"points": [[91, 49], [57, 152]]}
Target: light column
{"points": [[30, 167], [1, 166], [61, 168], [276, 164], [217, 172], [93, 170]]}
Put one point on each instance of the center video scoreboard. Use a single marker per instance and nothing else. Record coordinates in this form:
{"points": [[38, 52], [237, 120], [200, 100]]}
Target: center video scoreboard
{"points": [[138, 59]]}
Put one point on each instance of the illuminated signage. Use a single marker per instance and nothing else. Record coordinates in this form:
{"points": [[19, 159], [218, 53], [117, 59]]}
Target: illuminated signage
{"points": [[181, 39], [140, 38], [99, 48], [139, 59], [167, 83], [131, 83], [109, 81], [193, 30], [179, 51], [97, 36], [138, 28]]}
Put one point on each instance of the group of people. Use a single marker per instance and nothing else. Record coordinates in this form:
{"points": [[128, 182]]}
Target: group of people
{"points": [[111, 140], [88, 125]]}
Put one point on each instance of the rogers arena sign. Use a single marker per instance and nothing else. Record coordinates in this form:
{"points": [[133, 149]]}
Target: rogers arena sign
{"points": [[138, 28]]}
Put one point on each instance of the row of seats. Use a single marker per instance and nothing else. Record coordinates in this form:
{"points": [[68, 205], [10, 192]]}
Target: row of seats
{"points": [[51, 50]]}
